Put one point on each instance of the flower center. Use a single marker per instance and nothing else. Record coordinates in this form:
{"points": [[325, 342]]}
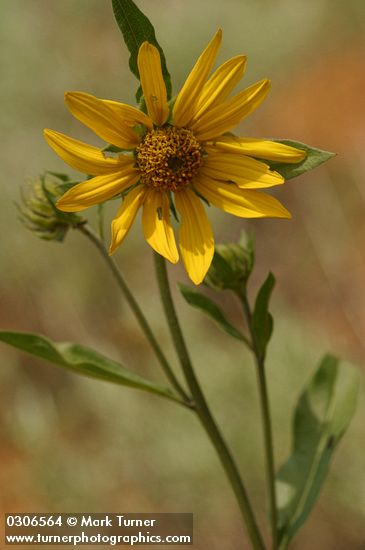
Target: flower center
{"points": [[168, 158]]}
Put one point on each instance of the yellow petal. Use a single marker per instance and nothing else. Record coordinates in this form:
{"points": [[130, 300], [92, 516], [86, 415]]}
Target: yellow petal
{"points": [[185, 104], [102, 119], [152, 82], [244, 204], [195, 235], [83, 157], [156, 225], [226, 115], [246, 172], [125, 216], [260, 148], [220, 85], [129, 114], [96, 190]]}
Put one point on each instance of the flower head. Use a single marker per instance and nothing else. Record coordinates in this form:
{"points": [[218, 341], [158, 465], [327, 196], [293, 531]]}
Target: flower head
{"points": [[170, 158], [231, 266], [39, 213]]}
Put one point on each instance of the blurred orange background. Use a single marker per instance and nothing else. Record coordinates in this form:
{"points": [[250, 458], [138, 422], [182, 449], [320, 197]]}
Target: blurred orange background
{"points": [[73, 444]]}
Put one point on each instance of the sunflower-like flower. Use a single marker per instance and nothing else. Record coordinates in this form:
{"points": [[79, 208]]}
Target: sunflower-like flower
{"points": [[174, 156]]}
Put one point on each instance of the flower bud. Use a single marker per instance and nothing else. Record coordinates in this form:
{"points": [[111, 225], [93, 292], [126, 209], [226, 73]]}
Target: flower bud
{"points": [[39, 213], [231, 266]]}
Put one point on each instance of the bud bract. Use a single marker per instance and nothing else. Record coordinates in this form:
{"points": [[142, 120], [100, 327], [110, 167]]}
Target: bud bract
{"points": [[39, 213], [232, 265]]}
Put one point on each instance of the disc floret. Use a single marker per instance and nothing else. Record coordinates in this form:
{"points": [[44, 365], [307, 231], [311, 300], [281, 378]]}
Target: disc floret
{"points": [[168, 158]]}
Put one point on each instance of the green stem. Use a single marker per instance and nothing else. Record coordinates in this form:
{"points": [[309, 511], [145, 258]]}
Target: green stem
{"points": [[202, 408], [267, 427], [100, 219], [92, 236]]}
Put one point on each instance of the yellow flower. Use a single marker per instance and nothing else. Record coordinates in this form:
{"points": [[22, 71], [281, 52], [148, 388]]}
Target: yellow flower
{"points": [[176, 158]]}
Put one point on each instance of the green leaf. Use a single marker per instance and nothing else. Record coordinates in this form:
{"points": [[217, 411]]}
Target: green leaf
{"points": [[136, 29], [205, 304], [82, 360], [262, 321], [314, 158], [322, 415]]}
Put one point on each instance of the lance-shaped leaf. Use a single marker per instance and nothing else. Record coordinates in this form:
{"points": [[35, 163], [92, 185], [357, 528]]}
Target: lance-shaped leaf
{"points": [[205, 304], [314, 158], [262, 321], [323, 413], [82, 360], [136, 29]]}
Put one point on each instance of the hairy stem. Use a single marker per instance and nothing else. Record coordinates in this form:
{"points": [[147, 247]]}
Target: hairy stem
{"points": [[266, 420], [202, 408], [93, 237]]}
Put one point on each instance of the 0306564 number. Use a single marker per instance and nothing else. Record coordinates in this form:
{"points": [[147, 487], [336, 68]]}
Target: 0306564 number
{"points": [[33, 521]]}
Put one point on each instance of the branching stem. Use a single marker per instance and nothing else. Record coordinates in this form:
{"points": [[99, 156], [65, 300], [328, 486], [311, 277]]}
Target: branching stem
{"points": [[93, 237], [202, 408]]}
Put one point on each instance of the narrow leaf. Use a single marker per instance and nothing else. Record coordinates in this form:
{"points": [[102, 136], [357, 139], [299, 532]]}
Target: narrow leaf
{"points": [[136, 29], [82, 360], [322, 415], [314, 158], [262, 321], [205, 304]]}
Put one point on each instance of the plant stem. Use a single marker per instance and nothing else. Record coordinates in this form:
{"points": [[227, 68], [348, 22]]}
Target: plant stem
{"points": [[100, 219], [93, 237], [202, 408], [266, 420]]}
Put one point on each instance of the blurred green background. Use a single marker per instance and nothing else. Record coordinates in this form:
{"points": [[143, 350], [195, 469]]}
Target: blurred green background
{"points": [[73, 444]]}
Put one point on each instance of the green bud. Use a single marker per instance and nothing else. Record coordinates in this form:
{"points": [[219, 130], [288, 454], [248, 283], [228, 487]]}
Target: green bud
{"points": [[39, 213], [232, 265]]}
